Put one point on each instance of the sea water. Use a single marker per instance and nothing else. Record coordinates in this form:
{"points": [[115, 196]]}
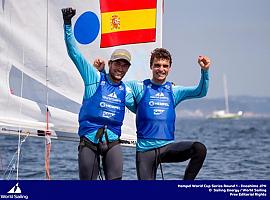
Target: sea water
{"points": [[236, 150]]}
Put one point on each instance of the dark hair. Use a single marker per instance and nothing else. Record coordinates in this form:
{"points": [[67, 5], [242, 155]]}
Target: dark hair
{"points": [[160, 53]]}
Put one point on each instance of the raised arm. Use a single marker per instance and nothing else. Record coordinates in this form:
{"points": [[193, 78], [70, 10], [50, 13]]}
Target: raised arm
{"points": [[182, 93], [88, 73]]}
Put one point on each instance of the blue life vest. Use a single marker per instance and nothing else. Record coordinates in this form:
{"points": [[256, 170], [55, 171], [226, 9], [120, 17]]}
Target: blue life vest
{"points": [[155, 116], [105, 107]]}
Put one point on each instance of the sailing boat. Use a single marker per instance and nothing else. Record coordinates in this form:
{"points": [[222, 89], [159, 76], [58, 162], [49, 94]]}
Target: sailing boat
{"points": [[41, 89], [226, 114]]}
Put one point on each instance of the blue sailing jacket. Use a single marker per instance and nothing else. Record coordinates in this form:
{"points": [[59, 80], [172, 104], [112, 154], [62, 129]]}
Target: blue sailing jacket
{"points": [[155, 117], [91, 79], [105, 107]]}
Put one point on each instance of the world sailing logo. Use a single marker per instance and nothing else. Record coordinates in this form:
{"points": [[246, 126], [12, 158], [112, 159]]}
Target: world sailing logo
{"points": [[14, 193], [15, 190]]}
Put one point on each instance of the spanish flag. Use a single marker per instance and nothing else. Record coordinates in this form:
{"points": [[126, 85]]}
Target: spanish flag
{"points": [[127, 22]]}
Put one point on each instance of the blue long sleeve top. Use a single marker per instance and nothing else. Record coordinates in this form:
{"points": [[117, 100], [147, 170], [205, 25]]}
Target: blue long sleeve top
{"points": [[91, 78], [180, 93]]}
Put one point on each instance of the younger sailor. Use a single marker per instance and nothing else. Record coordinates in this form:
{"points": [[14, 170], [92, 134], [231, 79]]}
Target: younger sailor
{"points": [[156, 100], [103, 108]]}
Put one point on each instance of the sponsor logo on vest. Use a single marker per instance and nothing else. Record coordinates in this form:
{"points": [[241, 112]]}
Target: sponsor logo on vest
{"points": [[167, 87], [113, 95], [121, 87], [107, 114], [152, 103], [158, 111], [102, 83], [159, 95], [111, 99], [105, 105]]}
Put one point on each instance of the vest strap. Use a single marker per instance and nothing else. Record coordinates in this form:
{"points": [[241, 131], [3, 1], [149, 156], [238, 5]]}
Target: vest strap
{"points": [[101, 148]]}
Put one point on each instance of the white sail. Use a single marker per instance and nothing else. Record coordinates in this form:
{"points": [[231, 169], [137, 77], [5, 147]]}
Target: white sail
{"points": [[226, 114], [24, 55]]}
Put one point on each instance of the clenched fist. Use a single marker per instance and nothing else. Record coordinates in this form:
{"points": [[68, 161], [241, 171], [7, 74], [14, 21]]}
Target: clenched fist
{"points": [[204, 62], [68, 13]]}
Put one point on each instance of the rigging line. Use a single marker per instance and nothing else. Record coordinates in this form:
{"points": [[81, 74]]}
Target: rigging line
{"points": [[11, 172], [47, 45], [1, 162], [47, 132], [11, 166], [20, 113]]}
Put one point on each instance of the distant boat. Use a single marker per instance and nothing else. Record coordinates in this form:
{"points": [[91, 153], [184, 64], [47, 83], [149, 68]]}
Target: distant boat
{"points": [[222, 114], [226, 114]]}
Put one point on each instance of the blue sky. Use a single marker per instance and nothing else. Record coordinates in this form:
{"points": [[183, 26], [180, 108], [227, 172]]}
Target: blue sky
{"points": [[235, 34]]}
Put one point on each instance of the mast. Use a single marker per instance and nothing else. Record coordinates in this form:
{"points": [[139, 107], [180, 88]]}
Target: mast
{"points": [[47, 131], [226, 94]]}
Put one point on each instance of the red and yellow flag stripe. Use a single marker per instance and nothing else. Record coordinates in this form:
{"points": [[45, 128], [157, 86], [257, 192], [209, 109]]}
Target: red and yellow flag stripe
{"points": [[127, 22]]}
